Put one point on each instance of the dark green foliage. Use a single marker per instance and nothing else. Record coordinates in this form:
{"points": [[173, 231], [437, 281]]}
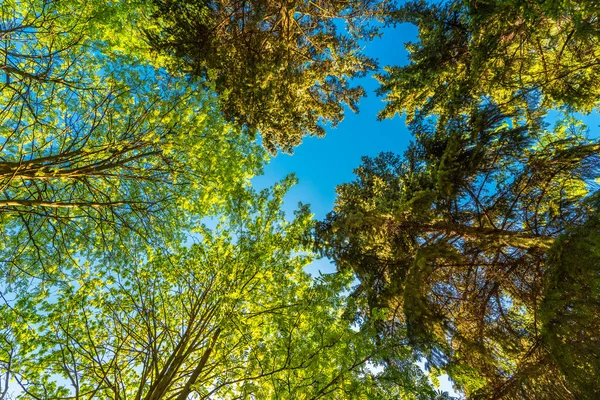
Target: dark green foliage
{"points": [[571, 308], [523, 55], [451, 241], [281, 68]]}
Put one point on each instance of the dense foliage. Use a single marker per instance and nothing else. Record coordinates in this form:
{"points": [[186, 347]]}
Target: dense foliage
{"points": [[232, 315], [570, 312], [451, 242], [136, 261], [281, 68], [112, 284], [522, 55], [468, 241], [94, 152]]}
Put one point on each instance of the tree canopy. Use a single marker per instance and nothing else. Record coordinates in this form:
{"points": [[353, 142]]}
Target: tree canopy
{"points": [[95, 153], [472, 243], [521, 55], [282, 68], [232, 315], [569, 311], [137, 261], [451, 243], [112, 284]]}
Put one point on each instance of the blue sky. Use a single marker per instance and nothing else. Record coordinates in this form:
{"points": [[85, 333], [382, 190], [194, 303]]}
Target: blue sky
{"points": [[320, 164]]}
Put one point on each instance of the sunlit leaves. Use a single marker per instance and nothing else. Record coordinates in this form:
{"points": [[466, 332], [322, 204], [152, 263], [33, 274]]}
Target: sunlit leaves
{"points": [[523, 56], [101, 151], [232, 315]]}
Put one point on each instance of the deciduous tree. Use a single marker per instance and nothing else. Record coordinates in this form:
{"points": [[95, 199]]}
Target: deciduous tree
{"points": [[232, 315], [99, 148]]}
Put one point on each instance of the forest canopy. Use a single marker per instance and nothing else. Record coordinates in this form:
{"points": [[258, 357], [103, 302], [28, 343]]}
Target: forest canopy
{"points": [[466, 243], [137, 260], [281, 68]]}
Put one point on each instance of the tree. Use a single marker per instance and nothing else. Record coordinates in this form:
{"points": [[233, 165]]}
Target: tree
{"points": [[451, 243], [281, 68], [232, 315], [40, 43], [523, 56], [570, 311], [99, 149]]}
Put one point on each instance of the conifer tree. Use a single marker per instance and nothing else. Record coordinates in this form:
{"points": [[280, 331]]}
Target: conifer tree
{"points": [[282, 68], [525, 56], [450, 242]]}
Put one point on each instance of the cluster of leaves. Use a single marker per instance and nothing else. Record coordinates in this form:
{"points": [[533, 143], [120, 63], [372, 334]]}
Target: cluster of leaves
{"points": [[477, 249], [282, 68], [233, 315], [452, 239], [569, 312], [95, 153]]}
